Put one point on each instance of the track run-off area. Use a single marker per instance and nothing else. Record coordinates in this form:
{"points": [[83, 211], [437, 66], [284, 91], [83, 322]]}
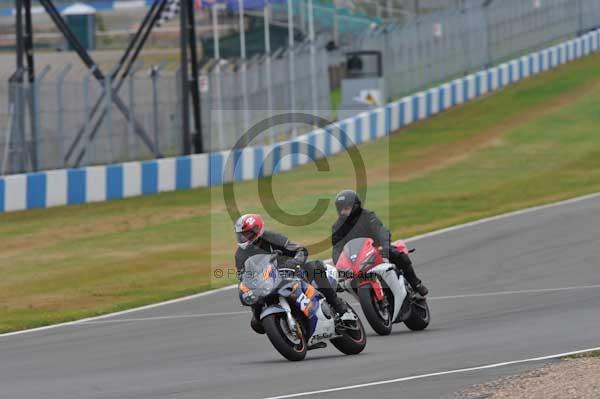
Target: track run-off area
{"points": [[507, 293]]}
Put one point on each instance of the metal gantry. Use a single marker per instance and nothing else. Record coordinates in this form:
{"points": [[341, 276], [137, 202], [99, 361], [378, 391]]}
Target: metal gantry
{"points": [[22, 153]]}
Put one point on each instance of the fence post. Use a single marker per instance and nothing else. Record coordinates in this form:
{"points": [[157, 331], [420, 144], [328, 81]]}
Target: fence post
{"points": [[488, 40], [267, 12], [60, 129], [336, 28], [216, 77], [86, 110], [313, 66], [244, 66], [155, 76], [131, 148], [579, 18], [109, 117], [35, 120], [219, 95], [8, 146], [292, 67]]}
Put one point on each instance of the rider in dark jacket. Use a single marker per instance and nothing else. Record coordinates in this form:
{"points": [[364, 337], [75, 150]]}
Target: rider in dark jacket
{"points": [[354, 221], [254, 239]]}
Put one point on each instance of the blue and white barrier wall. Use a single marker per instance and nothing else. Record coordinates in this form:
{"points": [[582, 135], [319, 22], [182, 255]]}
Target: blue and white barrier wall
{"points": [[102, 183]]}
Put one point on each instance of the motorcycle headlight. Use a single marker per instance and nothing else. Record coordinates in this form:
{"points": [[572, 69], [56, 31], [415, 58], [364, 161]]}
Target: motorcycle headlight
{"points": [[368, 261], [249, 298]]}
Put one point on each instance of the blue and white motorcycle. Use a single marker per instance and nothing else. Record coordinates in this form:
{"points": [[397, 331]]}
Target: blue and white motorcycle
{"points": [[295, 315]]}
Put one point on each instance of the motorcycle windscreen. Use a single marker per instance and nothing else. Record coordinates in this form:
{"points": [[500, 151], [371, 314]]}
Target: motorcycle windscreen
{"points": [[353, 247], [260, 274]]}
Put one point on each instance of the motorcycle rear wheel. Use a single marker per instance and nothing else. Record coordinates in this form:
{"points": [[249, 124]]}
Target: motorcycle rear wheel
{"points": [[418, 318], [352, 342]]}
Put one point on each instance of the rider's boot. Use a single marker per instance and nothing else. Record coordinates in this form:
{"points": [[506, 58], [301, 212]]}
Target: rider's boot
{"points": [[339, 305], [404, 266], [421, 289]]}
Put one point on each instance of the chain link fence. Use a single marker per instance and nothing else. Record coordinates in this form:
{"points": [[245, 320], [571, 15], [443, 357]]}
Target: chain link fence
{"points": [[67, 120], [288, 80], [72, 121], [443, 45]]}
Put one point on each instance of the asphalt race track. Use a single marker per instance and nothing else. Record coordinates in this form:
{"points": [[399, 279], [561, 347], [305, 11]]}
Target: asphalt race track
{"points": [[514, 288]]}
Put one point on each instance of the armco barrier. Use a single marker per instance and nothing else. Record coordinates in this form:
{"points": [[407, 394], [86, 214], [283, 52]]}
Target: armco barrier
{"points": [[102, 183]]}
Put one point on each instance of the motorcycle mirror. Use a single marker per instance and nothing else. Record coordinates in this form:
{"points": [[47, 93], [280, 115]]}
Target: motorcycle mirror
{"points": [[410, 251], [274, 256]]}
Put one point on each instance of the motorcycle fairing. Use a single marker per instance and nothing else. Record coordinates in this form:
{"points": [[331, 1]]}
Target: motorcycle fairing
{"points": [[396, 284], [306, 298]]}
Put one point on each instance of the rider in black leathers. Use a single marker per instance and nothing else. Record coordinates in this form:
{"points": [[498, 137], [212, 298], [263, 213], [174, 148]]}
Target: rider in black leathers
{"points": [[354, 221], [292, 256]]}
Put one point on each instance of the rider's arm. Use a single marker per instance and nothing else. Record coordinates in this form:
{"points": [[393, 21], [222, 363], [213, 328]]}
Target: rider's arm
{"points": [[240, 258], [288, 248], [380, 233], [336, 243], [296, 251]]}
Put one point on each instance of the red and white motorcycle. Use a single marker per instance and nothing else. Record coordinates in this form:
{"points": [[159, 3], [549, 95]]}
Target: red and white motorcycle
{"points": [[385, 297]]}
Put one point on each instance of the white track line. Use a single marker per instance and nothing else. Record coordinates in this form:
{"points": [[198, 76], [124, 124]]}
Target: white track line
{"points": [[191, 297], [533, 291], [181, 316], [106, 316], [437, 374], [504, 216], [221, 314]]}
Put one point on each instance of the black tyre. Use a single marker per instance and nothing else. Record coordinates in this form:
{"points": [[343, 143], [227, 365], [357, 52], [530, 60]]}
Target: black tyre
{"points": [[418, 318], [352, 342], [276, 328], [379, 319]]}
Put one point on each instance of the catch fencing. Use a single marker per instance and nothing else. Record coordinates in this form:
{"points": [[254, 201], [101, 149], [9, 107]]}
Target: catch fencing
{"points": [[430, 49], [454, 42], [64, 131], [102, 183]]}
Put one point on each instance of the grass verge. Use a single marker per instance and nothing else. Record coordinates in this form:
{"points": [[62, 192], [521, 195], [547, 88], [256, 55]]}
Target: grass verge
{"points": [[584, 355], [532, 143]]}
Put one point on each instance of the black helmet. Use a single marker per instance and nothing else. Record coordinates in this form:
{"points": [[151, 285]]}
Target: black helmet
{"points": [[347, 199]]}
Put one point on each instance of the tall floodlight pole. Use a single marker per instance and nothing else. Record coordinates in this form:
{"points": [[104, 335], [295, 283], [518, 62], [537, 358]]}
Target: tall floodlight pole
{"points": [[268, 77], [290, 10], [244, 69], [215, 16], [313, 54]]}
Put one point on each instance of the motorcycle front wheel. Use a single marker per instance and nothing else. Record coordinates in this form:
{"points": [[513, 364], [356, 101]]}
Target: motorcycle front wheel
{"points": [[380, 319], [277, 329]]}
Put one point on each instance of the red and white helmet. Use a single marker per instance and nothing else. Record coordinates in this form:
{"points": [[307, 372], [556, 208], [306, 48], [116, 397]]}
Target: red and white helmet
{"points": [[248, 229]]}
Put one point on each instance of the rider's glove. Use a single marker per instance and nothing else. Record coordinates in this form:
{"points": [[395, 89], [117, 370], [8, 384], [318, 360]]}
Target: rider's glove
{"points": [[293, 264]]}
